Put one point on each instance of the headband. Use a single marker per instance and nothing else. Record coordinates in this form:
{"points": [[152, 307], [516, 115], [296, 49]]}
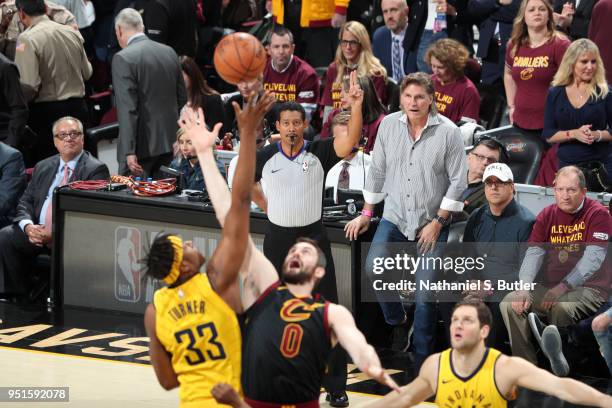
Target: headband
{"points": [[177, 245]]}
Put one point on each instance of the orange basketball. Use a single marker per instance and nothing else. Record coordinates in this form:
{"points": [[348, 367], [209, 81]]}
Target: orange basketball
{"points": [[239, 57]]}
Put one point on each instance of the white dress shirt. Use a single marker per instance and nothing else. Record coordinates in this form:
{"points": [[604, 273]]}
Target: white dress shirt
{"points": [[358, 171]]}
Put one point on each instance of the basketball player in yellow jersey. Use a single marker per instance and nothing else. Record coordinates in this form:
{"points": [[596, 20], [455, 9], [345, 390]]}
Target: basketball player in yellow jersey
{"points": [[194, 335], [470, 375]]}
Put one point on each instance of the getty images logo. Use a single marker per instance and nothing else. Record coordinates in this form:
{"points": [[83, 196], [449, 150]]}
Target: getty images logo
{"points": [[127, 268]]}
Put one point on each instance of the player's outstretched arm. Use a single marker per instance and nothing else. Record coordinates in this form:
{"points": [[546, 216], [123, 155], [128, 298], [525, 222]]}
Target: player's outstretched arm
{"points": [[160, 359], [256, 270], [529, 376], [417, 391], [345, 332], [224, 265]]}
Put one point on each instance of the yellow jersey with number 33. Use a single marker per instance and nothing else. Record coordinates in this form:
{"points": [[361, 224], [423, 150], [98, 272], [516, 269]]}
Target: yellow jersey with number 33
{"points": [[202, 334], [479, 390]]}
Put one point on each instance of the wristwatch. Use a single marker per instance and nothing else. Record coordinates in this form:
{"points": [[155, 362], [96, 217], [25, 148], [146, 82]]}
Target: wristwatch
{"points": [[443, 221]]}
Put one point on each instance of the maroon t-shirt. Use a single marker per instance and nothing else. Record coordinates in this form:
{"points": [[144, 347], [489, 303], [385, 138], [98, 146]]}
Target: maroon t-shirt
{"points": [[532, 71], [566, 235], [458, 99], [298, 83], [331, 92], [368, 131]]}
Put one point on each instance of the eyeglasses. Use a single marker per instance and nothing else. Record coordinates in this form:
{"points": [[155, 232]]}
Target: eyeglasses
{"points": [[482, 158], [75, 134], [497, 183], [349, 43]]}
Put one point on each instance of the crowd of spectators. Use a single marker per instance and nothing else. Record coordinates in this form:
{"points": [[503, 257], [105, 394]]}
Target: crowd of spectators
{"points": [[359, 107]]}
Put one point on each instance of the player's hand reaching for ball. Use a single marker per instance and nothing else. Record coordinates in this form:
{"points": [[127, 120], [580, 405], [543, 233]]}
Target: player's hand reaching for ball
{"points": [[250, 118], [193, 124], [355, 93]]}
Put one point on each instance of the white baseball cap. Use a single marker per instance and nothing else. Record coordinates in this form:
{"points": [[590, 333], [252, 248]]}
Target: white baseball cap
{"points": [[499, 170]]}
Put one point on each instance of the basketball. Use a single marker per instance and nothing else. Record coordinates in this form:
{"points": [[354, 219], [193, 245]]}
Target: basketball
{"points": [[239, 57]]}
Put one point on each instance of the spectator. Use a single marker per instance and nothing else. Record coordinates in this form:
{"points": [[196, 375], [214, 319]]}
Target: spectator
{"points": [[200, 94], [351, 172], [13, 107], [418, 168], [533, 56], [497, 229], [602, 329], [288, 76], [486, 151], [600, 33], [53, 67], [12, 182], [575, 279], [172, 22], [353, 53], [422, 30], [314, 24], [572, 20], [388, 40], [187, 163], [372, 112], [579, 108], [31, 233], [456, 96], [149, 91], [11, 25], [494, 31]]}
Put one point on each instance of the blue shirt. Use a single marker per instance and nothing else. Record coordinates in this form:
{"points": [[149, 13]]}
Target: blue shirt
{"points": [[193, 178], [560, 115], [485, 230], [59, 175]]}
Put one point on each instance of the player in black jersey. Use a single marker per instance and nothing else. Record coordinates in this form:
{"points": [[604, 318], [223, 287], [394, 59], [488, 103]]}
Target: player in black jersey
{"points": [[289, 334]]}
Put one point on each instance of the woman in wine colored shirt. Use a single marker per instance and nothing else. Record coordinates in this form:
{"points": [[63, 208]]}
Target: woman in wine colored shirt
{"points": [[533, 55], [354, 53], [456, 96]]}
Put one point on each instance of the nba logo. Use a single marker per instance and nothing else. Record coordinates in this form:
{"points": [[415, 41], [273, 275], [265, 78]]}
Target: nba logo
{"points": [[127, 268]]}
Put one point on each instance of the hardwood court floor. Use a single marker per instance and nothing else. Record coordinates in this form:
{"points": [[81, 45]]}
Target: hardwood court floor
{"points": [[103, 358]]}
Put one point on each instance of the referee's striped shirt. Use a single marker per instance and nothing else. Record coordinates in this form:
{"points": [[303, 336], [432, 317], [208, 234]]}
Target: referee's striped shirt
{"points": [[416, 178], [294, 186]]}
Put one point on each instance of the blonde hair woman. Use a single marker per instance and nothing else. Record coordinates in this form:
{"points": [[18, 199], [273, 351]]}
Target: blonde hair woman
{"points": [[533, 55], [354, 53], [579, 108]]}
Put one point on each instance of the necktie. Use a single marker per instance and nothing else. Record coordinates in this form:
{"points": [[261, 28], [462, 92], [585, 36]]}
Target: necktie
{"points": [[396, 60], [344, 177], [49, 213]]}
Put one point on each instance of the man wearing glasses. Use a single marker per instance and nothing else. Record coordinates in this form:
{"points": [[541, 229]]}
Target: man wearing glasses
{"points": [[570, 238], [495, 232], [32, 230], [485, 151]]}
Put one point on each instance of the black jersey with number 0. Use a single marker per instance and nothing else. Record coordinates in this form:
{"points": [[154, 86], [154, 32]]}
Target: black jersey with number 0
{"points": [[286, 343]]}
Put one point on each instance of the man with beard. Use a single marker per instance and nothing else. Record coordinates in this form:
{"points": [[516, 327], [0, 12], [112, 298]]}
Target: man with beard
{"points": [[288, 332], [470, 374]]}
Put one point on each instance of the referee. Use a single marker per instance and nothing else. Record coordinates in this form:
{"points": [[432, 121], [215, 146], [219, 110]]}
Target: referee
{"points": [[294, 171]]}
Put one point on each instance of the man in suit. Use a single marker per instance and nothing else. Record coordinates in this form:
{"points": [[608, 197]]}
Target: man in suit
{"points": [[12, 182], [13, 106], [388, 39], [149, 92], [31, 231], [573, 17]]}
